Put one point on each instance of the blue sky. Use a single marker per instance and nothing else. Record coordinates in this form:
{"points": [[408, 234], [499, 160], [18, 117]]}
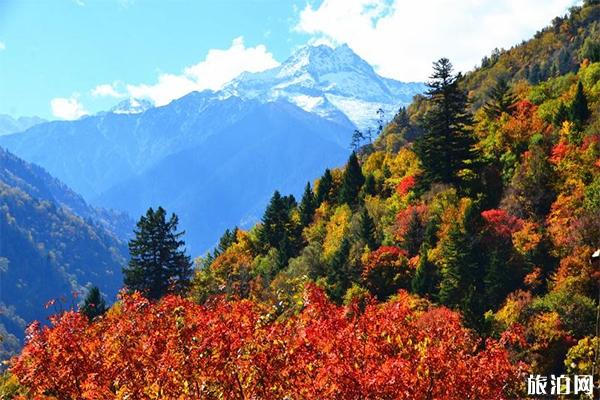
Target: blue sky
{"points": [[67, 58]]}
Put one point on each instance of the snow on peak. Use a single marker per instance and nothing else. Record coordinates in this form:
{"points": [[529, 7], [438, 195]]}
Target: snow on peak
{"points": [[132, 106], [326, 81]]}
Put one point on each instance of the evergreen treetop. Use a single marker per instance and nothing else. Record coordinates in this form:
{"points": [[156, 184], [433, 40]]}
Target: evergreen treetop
{"points": [[307, 206], [93, 304], [580, 111], [324, 188], [352, 181], [158, 264], [500, 100], [447, 145]]}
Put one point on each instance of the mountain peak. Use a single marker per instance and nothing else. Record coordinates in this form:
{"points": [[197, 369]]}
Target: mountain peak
{"points": [[322, 59], [327, 80], [132, 106]]}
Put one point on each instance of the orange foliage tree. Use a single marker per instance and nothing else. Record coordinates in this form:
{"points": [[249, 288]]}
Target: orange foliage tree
{"points": [[177, 349]]}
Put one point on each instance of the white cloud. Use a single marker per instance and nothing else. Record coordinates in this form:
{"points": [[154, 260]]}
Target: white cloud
{"points": [[2, 46], [218, 68], [67, 108], [107, 90], [402, 38]]}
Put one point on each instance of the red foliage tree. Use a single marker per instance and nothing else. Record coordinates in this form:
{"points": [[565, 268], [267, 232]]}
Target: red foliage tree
{"points": [[176, 349], [501, 223], [406, 185]]}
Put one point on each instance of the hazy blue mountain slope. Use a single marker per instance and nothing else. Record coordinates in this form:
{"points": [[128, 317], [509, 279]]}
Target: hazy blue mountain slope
{"points": [[50, 244], [97, 152], [277, 145]]}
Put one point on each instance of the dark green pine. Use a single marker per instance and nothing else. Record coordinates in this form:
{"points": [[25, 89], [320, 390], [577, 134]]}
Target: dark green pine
{"points": [[352, 181], [447, 145], [93, 304], [158, 264], [367, 230], [307, 206], [580, 111], [325, 187]]}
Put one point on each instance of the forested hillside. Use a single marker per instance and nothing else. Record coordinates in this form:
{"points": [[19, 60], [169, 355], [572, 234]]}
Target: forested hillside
{"points": [[51, 245], [447, 260]]}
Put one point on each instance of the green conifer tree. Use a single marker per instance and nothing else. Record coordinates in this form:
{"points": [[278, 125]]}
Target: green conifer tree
{"points": [[93, 304], [158, 264], [500, 100], [340, 274], [368, 232], [447, 145], [454, 253], [352, 181], [228, 239], [426, 278], [272, 229], [562, 115], [325, 187], [580, 111], [370, 186], [278, 230], [307, 206], [411, 242]]}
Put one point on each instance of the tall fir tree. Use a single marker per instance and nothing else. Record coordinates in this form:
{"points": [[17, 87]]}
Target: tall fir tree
{"points": [[368, 232], [274, 221], [325, 187], [158, 264], [307, 207], [401, 119], [352, 181], [278, 230], [495, 280], [447, 145], [426, 278], [340, 274], [228, 239], [454, 253], [411, 242], [463, 267], [93, 305], [580, 111], [500, 100]]}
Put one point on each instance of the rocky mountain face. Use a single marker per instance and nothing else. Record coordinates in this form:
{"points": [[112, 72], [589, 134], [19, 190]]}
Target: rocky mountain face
{"points": [[328, 82]]}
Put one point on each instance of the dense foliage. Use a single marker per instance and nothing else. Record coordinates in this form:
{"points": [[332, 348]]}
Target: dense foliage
{"points": [[176, 349]]}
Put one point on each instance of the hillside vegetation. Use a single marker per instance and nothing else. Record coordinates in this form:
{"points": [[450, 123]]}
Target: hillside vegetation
{"points": [[51, 245]]}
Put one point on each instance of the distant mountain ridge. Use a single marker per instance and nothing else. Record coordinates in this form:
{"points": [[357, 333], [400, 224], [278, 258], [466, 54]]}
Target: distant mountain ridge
{"points": [[10, 125], [306, 108]]}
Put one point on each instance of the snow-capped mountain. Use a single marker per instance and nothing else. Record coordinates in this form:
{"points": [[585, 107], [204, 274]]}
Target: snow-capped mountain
{"points": [[215, 158], [327, 81], [132, 106]]}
